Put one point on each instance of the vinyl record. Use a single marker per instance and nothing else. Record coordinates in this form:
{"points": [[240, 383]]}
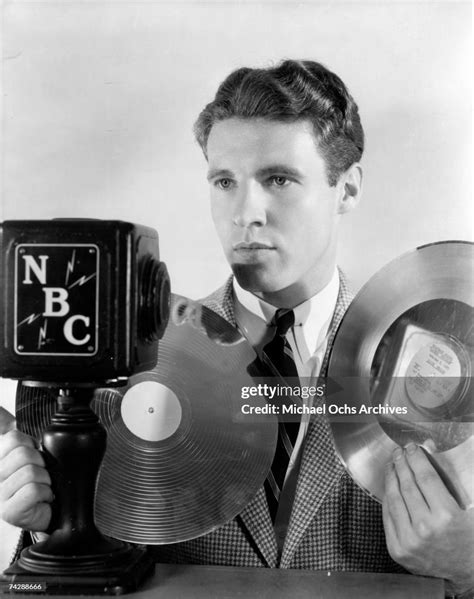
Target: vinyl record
{"points": [[403, 360], [34, 408], [182, 459]]}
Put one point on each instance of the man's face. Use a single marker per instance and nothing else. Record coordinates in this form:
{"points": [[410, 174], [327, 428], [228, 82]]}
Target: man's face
{"points": [[273, 209]]}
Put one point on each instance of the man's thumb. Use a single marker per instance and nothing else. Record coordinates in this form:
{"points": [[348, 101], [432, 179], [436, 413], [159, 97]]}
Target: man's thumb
{"points": [[7, 421]]}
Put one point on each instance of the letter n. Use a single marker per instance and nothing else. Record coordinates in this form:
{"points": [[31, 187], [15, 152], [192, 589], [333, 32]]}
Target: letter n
{"points": [[39, 271]]}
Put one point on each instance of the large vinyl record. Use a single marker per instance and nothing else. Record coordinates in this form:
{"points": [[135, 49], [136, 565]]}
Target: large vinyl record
{"points": [[403, 359], [182, 458]]}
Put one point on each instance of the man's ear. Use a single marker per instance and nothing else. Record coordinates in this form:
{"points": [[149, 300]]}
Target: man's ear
{"points": [[351, 188]]}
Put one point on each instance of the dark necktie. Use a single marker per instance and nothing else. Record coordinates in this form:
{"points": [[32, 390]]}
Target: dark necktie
{"points": [[278, 353]]}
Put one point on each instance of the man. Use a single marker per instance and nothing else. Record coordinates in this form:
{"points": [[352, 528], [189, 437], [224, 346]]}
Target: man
{"points": [[283, 147]]}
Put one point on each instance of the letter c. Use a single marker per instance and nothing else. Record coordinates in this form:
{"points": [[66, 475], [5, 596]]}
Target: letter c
{"points": [[68, 329]]}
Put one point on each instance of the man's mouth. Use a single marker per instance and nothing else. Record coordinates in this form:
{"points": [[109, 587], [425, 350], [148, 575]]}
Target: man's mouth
{"points": [[244, 246], [252, 252]]}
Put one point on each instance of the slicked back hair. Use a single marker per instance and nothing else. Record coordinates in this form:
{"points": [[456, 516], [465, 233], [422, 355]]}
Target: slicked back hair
{"points": [[291, 91]]}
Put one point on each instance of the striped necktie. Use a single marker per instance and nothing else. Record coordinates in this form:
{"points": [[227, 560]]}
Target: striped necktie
{"points": [[278, 352]]}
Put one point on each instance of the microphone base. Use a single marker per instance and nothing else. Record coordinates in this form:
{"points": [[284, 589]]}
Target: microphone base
{"points": [[114, 573]]}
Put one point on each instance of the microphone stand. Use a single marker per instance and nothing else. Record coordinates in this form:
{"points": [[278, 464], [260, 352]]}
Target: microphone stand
{"points": [[76, 558]]}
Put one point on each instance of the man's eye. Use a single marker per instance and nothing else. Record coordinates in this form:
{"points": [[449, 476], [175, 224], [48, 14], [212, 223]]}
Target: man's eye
{"points": [[279, 181], [224, 183]]}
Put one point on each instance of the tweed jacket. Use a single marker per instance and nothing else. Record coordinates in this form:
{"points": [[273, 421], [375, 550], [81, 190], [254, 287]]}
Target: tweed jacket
{"points": [[334, 525]]}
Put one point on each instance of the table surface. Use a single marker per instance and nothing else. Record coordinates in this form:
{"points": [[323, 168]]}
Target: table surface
{"points": [[219, 582], [172, 581]]}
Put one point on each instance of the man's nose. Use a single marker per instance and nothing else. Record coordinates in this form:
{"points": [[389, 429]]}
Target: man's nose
{"points": [[250, 207]]}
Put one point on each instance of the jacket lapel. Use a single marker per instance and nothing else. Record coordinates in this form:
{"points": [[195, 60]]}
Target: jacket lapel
{"points": [[320, 467], [256, 522], [320, 471]]}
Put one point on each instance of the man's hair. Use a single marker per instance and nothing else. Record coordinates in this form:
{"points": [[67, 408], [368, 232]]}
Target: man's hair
{"points": [[291, 91]]}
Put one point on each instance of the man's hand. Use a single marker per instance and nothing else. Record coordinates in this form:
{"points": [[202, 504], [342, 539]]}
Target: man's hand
{"points": [[25, 485], [426, 530]]}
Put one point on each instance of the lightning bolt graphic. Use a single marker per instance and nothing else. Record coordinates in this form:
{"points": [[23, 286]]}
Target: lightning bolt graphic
{"points": [[42, 334], [29, 319], [70, 266], [82, 280]]}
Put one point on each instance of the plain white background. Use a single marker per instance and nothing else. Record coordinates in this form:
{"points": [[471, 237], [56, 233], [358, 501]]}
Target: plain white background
{"points": [[99, 99]]}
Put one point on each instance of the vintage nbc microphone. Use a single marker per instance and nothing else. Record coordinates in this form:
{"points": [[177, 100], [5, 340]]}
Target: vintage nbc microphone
{"points": [[83, 304]]}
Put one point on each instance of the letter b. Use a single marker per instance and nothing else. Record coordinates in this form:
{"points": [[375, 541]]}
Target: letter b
{"points": [[55, 295]]}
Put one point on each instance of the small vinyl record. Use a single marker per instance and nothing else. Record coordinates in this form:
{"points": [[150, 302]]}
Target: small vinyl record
{"points": [[403, 360], [182, 458]]}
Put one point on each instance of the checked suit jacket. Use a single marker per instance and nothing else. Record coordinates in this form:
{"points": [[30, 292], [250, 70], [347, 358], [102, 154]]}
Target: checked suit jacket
{"points": [[334, 525]]}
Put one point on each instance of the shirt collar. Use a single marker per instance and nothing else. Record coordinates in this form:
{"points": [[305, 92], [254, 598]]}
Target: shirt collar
{"points": [[314, 315]]}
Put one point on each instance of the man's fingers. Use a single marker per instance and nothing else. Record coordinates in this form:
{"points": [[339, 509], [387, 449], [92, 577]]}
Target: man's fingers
{"points": [[30, 507], [7, 421], [12, 440], [414, 499], [395, 505], [19, 457], [393, 543], [33, 493], [24, 476], [428, 480], [25, 484]]}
